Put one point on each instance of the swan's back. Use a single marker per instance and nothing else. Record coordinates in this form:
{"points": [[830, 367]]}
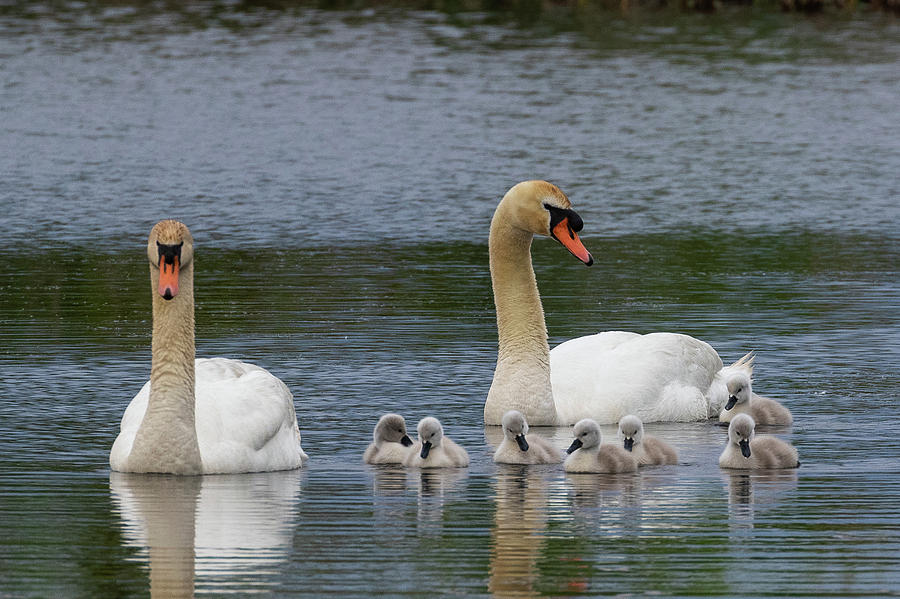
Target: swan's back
{"points": [[771, 452], [244, 417], [609, 459], [656, 452], [768, 411], [658, 377], [387, 452], [447, 455], [540, 451], [763, 410]]}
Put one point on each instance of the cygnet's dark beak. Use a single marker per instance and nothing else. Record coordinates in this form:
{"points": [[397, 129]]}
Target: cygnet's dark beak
{"points": [[629, 443], [575, 445], [523, 444], [731, 401], [745, 447], [406, 441], [426, 447]]}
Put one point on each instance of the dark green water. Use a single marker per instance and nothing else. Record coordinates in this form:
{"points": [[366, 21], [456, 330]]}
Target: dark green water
{"points": [[738, 182]]}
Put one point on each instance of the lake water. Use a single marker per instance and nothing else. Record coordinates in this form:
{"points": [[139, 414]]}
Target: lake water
{"points": [[737, 175]]}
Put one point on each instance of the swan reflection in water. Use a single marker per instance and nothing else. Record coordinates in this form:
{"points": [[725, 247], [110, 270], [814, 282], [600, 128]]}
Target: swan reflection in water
{"points": [[226, 533], [752, 489], [520, 523]]}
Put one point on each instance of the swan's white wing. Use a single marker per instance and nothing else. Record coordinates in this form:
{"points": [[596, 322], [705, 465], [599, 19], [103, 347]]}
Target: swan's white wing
{"points": [[131, 421], [658, 377], [245, 419], [244, 416]]}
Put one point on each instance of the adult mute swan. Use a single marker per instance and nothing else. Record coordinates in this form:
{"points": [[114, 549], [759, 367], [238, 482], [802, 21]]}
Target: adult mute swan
{"points": [[658, 377], [236, 418]]}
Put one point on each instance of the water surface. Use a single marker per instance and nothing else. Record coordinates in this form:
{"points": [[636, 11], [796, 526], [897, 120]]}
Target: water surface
{"points": [[737, 178]]}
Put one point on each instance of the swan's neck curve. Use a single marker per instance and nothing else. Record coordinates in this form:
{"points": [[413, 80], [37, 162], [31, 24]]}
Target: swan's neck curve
{"points": [[167, 438], [522, 377]]}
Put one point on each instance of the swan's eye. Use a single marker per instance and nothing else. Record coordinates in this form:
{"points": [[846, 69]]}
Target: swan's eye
{"points": [[169, 252]]}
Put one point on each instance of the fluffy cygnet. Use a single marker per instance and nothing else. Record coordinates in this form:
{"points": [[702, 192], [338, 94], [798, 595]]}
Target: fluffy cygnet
{"points": [[586, 454], [742, 400], [434, 450], [647, 450], [520, 448], [390, 443], [745, 450]]}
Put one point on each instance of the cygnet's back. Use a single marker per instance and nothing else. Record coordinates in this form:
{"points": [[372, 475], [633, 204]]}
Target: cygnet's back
{"points": [[745, 450], [647, 450], [390, 444], [434, 450], [742, 400], [518, 447], [587, 454]]}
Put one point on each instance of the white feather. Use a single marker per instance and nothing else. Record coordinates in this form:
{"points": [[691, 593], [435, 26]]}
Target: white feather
{"points": [[245, 420]]}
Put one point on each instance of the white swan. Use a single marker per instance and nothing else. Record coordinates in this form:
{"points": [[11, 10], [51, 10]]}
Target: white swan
{"points": [[390, 443], [587, 454], [659, 377], [745, 450], [433, 449], [237, 418], [742, 400], [518, 447], [647, 450]]}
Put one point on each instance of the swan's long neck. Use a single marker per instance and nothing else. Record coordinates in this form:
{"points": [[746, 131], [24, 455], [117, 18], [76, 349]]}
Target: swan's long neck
{"points": [[522, 377], [167, 438]]}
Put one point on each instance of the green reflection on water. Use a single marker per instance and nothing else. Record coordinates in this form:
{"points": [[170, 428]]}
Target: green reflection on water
{"points": [[638, 282]]}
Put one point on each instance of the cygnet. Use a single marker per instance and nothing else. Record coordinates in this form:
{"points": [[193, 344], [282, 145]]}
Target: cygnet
{"points": [[520, 448], [746, 451], [390, 443], [586, 454], [647, 450], [742, 400], [434, 450]]}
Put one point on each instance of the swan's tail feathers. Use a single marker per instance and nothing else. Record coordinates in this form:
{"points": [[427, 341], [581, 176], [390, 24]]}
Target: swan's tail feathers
{"points": [[745, 362]]}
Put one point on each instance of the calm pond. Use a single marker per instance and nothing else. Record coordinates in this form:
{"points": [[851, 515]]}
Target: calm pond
{"points": [[737, 176]]}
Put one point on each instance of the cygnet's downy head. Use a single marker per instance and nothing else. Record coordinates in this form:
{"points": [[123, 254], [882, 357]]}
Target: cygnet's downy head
{"points": [[391, 428], [740, 431], [587, 435], [738, 389], [170, 248], [632, 431], [430, 434], [515, 428]]}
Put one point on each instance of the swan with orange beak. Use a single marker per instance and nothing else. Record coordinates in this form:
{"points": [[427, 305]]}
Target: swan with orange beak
{"points": [[660, 376]]}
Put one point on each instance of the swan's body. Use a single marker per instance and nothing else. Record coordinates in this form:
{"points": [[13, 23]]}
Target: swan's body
{"points": [[433, 449], [201, 416], [742, 400], [745, 450], [518, 447], [647, 450], [390, 444], [659, 377], [587, 454]]}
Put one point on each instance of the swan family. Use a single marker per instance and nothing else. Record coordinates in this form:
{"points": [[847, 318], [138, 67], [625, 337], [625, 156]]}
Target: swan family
{"points": [[211, 416]]}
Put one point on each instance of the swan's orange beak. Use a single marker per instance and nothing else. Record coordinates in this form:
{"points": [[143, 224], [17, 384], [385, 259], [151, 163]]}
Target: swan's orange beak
{"points": [[168, 277], [564, 234]]}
